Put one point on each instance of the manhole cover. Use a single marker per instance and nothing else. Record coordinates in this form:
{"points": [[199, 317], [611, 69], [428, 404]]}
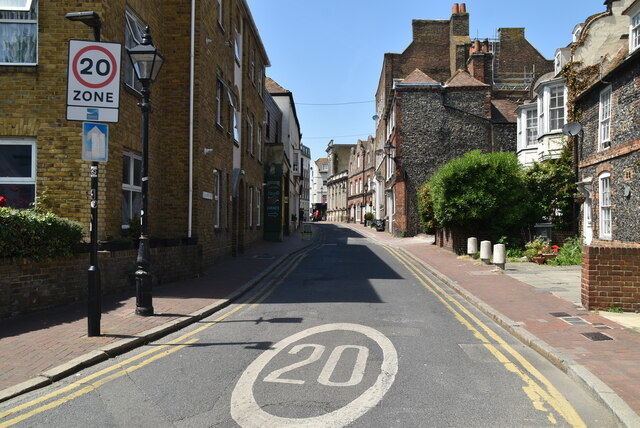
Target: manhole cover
{"points": [[597, 336], [559, 314]]}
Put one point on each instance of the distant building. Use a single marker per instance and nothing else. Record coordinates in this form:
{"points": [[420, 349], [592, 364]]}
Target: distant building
{"points": [[338, 156]]}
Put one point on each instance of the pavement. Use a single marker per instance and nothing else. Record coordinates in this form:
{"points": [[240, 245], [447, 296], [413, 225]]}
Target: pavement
{"points": [[539, 304]]}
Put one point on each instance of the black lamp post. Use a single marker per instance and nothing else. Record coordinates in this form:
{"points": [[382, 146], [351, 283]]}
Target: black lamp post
{"points": [[94, 289], [147, 62]]}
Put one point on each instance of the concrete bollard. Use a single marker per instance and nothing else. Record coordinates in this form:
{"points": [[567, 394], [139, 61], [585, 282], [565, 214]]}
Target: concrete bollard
{"points": [[472, 246], [499, 255], [485, 251]]}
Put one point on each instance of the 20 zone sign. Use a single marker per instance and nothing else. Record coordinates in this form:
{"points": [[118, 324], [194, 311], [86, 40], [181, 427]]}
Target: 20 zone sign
{"points": [[94, 74]]}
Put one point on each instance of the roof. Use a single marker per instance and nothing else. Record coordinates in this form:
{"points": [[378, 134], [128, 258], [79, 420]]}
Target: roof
{"points": [[463, 79], [417, 76], [273, 87], [503, 110]]}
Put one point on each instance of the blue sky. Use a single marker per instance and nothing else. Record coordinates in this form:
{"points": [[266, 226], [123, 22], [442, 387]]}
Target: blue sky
{"points": [[331, 51]]}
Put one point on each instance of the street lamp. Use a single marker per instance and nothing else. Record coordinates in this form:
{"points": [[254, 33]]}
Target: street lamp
{"points": [[94, 288], [147, 62], [388, 148]]}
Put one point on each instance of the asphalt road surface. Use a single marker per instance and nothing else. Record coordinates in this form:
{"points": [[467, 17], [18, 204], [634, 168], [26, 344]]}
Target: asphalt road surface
{"points": [[345, 333]]}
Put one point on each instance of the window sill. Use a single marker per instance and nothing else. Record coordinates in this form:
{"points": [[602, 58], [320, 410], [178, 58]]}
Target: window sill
{"points": [[18, 68]]}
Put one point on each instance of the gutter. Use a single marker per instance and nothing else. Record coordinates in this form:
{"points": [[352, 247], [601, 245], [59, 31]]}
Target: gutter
{"points": [[191, 102]]}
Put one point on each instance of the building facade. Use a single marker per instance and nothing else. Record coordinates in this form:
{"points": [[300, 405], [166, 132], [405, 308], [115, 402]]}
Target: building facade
{"points": [[361, 177], [338, 156], [205, 143]]}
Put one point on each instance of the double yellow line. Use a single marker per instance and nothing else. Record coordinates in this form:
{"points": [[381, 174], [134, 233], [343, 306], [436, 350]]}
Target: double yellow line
{"points": [[115, 371], [536, 386]]}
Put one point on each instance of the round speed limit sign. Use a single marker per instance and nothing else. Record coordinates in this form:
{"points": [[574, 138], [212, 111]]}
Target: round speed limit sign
{"points": [[94, 74]]}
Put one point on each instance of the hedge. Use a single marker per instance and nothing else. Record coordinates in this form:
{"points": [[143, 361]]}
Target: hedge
{"points": [[37, 235]]}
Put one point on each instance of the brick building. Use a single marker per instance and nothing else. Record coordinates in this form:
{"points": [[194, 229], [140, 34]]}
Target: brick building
{"points": [[443, 96], [608, 155], [206, 133], [359, 188]]}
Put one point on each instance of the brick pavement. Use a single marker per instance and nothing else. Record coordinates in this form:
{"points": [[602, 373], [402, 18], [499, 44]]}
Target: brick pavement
{"points": [[526, 312], [37, 343]]}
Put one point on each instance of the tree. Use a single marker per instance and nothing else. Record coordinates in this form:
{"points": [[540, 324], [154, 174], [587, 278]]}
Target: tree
{"points": [[480, 192]]}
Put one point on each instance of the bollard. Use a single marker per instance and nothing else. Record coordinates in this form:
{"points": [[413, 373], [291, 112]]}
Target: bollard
{"points": [[472, 246], [499, 255], [485, 251]]}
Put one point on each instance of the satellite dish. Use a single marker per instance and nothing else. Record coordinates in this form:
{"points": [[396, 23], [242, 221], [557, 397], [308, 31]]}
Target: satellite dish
{"points": [[571, 128]]}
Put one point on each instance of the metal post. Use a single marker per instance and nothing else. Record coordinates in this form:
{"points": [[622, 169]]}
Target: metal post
{"points": [[94, 289], [144, 304]]}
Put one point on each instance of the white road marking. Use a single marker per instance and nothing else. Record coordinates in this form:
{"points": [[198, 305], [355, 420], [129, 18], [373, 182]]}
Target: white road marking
{"points": [[358, 369], [248, 414]]}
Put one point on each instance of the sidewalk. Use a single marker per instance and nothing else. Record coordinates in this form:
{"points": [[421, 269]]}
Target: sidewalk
{"points": [[38, 348], [541, 306]]}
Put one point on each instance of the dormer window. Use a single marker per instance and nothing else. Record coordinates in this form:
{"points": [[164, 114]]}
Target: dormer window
{"points": [[557, 64], [634, 32], [577, 31]]}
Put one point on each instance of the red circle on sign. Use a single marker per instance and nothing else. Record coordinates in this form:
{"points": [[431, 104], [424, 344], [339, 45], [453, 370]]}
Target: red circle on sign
{"points": [[94, 85]]}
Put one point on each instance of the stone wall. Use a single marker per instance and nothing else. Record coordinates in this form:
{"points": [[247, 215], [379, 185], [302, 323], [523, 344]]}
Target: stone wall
{"points": [[611, 277], [29, 286]]}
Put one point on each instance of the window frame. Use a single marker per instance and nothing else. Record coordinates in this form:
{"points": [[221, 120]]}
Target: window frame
{"points": [[132, 40], [258, 207], [250, 147], [131, 187], [259, 143], [250, 216], [219, 90], [20, 16], [604, 206], [561, 91], [22, 181], [634, 31], [530, 131], [220, 17], [217, 175], [604, 119]]}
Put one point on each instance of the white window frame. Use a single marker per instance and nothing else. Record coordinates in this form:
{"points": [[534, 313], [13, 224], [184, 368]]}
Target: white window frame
{"points": [[31, 180], [561, 91], [258, 207], [237, 47], [250, 134], [557, 63], [220, 14], [530, 127], [134, 30], [604, 119], [634, 31], [219, 90], [26, 14], [216, 199], [604, 189], [259, 143], [131, 187], [234, 118]]}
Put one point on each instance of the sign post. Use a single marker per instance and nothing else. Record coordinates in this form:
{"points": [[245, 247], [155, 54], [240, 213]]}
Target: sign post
{"points": [[93, 93]]}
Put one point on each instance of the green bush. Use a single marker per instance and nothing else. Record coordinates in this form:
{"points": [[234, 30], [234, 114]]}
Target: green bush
{"points": [[36, 234], [480, 192], [368, 216], [425, 209], [570, 253]]}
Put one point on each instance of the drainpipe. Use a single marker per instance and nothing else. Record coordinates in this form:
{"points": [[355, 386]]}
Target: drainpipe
{"points": [[191, 84]]}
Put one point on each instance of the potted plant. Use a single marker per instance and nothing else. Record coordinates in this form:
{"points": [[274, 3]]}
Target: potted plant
{"points": [[549, 252], [534, 249], [368, 217]]}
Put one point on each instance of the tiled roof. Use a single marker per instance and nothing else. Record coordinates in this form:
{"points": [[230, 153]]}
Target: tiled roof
{"points": [[463, 79], [417, 76], [503, 110], [273, 87]]}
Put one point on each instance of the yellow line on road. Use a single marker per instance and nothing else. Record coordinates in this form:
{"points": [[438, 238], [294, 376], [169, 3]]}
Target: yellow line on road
{"points": [[257, 297], [536, 393]]}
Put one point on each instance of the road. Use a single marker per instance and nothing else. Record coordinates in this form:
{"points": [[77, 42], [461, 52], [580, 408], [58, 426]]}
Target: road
{"points": [[345, 333]]}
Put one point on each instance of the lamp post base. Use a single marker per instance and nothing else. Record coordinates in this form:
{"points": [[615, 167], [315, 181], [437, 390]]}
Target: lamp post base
{"points": [[144, 295]]}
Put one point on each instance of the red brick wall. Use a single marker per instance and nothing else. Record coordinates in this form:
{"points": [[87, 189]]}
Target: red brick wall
{"points": [[456, 241], [611, 277], [29, 286]]}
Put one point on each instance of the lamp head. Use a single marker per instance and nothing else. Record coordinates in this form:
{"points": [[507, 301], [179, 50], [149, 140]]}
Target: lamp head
{"points": [[146, 59]]}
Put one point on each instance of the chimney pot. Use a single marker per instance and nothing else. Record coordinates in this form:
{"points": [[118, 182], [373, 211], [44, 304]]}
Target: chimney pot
{"points": [[456, 9], [485, 45], [463, 8]]}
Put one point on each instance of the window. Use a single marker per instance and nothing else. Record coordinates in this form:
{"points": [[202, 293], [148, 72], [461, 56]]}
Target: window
{"points": [[531, 127], [268, 125], [259, 143], [605, 205], [634, 32], [18, 172], [250, 216], [238, 48], [258, 206], [260, 80], [250, 134], [252, 66], [18, 32], [556, 107], [234, 118], [604, 122], [219, 102], [131, 187], [557, 63], [217, 176], [134, 30], [220, 12]]}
